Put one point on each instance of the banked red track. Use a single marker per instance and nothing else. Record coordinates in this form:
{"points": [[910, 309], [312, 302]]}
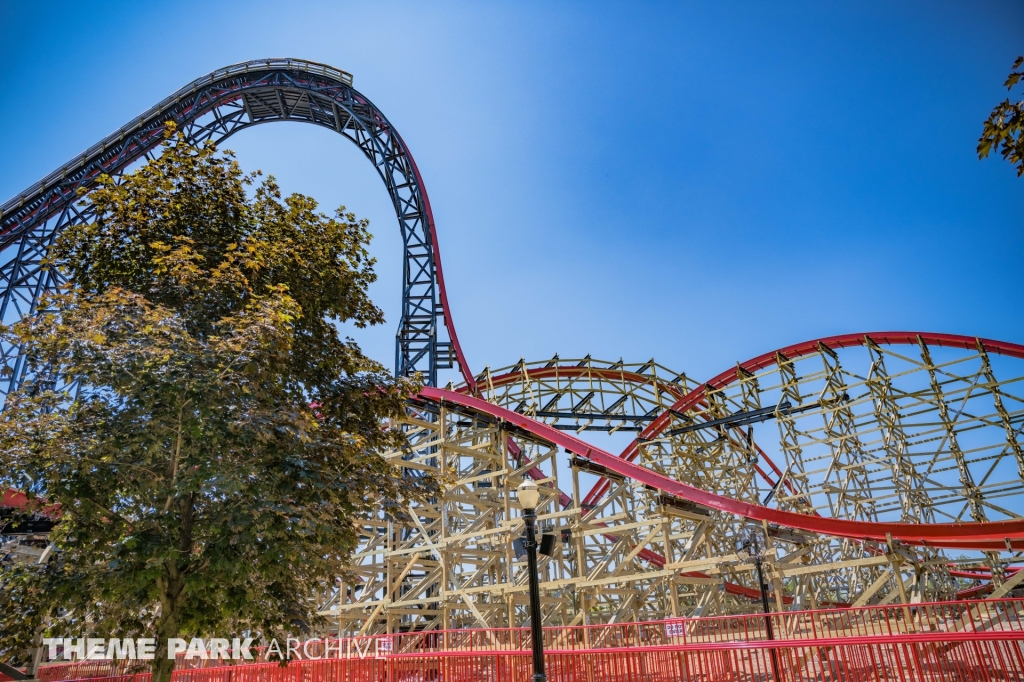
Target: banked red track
{"points": [[542, 374], [793, 352], [988, 536]]}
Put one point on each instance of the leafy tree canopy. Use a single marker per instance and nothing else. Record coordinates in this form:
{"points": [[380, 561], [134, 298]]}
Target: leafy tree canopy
{"points": [[210, 439], [1004, 129]]}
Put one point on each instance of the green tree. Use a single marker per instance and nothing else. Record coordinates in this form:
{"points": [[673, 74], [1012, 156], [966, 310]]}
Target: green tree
{"points": [[209, 437], [1005, 125]]}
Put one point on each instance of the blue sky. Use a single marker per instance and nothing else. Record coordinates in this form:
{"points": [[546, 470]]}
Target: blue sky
{"points": [[697, 182]]}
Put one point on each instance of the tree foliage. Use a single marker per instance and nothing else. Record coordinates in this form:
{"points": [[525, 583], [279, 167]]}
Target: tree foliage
{"points": [[209, 437], [1004, 129]]}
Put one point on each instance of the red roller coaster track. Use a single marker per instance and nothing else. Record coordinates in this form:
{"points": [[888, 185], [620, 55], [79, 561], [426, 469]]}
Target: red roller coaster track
{"points": [[982, 536], [792, 352]]}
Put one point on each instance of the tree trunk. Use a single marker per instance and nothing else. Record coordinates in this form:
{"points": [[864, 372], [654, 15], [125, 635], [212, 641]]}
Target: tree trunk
{"points": [[171, 588], [35, 653]]}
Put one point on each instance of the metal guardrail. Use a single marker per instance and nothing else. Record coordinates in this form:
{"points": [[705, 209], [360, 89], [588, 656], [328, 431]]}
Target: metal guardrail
{"points": [[931, 636], [972, 657]]}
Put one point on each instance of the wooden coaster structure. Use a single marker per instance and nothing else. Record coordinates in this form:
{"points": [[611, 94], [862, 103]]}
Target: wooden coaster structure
{"points": [[881, 429]]}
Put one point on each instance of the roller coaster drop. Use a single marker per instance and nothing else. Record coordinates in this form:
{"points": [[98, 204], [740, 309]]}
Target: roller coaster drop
{"points": [[884, 470]]}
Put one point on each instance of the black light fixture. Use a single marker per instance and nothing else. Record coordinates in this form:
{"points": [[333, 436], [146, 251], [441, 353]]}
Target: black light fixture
{"points": [[529, 497], [547, 544]]}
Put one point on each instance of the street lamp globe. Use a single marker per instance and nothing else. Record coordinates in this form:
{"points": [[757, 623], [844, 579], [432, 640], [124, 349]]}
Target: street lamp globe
{"points": [[529, 494]]}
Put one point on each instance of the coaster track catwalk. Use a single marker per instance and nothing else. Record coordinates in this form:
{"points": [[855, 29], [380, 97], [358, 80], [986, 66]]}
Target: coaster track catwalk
{"points": [[884, 469]]}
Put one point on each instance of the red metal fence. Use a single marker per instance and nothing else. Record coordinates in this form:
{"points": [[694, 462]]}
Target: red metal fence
{"points": [[977, 640]]}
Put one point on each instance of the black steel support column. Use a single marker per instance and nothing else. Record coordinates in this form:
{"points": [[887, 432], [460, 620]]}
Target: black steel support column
{"points": [[536, 619], [767, 614]]}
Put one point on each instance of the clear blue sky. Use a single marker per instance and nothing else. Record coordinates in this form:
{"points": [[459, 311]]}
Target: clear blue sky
{"points": [[697, 182]]}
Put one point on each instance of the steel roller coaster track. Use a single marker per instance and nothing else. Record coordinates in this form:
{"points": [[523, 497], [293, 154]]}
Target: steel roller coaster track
{"points": [[882, 477], [213, 108]]}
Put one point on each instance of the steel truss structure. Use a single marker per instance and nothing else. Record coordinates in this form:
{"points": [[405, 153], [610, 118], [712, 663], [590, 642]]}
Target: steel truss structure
{"points": [[879, 468], [213, 108]]}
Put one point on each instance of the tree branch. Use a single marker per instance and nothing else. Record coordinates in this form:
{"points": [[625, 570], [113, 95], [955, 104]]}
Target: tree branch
{"points": [[176, 456]]}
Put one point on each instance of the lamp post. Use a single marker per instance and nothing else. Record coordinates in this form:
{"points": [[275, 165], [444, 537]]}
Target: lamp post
{"points": [[748, 544], [529, 497]]}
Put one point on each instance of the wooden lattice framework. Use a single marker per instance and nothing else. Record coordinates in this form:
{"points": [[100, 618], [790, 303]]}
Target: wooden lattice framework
{"points": [[877, 432]]}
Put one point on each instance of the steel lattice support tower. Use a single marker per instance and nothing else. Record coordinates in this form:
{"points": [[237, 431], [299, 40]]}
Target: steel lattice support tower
{"points": [[213, 108]]}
